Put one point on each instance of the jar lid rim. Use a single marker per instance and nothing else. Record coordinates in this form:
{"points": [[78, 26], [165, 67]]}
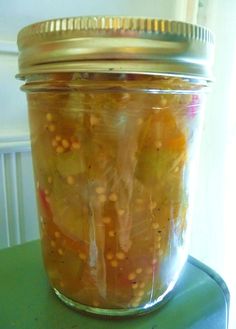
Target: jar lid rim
{"points": [[96, 38]]}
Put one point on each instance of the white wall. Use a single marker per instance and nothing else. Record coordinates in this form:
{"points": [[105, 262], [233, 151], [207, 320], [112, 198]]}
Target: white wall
{"points": [[17, 13], [214, 224]]}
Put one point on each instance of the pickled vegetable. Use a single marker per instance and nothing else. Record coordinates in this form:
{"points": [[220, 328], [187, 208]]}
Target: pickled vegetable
{"points": [[110, 166]]}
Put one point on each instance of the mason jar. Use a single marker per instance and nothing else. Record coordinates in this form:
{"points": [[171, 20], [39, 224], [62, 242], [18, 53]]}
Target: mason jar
{"points": [[115, 108]]}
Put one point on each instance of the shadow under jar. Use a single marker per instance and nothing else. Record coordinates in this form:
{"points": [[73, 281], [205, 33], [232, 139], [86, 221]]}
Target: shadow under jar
{"points": [[113, 132]]}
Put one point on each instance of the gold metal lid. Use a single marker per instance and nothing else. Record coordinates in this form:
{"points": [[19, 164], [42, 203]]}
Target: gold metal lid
{"points": [[115, 44]]}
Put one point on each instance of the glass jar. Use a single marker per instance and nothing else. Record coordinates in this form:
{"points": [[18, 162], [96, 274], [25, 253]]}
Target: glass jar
{"points": [[114, 111]]}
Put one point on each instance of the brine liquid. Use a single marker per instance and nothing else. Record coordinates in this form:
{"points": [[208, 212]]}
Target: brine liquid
{"points": [[111, 169]]}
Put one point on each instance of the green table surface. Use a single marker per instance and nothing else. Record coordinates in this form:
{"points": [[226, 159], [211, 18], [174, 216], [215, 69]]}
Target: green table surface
{"points": [[201, 299]]}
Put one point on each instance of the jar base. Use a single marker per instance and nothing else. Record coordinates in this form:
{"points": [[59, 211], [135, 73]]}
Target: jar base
{"points": [[112, 312]]}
